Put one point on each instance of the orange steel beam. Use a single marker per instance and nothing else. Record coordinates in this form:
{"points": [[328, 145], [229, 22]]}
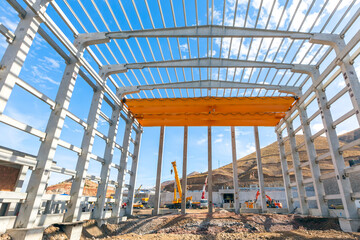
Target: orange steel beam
{"points": [[199, 123], [210, 111]]}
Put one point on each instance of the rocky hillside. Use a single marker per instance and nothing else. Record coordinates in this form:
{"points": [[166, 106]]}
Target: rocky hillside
{"points": [[90, 188], [247, 168]]}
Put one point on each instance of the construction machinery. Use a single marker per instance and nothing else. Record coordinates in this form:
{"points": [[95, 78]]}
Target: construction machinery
{"points": [[176, 203], [203, 201], [270, 203], [138, 204]]}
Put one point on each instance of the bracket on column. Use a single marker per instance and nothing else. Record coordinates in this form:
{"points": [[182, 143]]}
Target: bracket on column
{"points": [[108, 70], [311, 70], [9, 35], [87, 39], [336, 41]]}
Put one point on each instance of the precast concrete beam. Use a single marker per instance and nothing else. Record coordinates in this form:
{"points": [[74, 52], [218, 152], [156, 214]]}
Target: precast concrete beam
{"points": [[208, 84], [213, 31], [208, 63], [10, 36]]}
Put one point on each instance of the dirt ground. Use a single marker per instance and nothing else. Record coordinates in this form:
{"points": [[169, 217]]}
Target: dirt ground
{"points": [[198, 225]]}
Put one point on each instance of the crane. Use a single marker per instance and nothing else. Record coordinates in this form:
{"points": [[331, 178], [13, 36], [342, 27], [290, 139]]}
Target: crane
{"points": [[203, 191], [177, 200]]}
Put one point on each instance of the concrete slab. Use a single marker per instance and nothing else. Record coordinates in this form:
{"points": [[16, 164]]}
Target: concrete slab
{"points": [[26, 233], [167, 211], [349, 225], [250, 210], [277, 210]]}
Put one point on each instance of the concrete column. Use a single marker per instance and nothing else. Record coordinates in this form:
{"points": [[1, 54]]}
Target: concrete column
{"points": [[16, 53], [235, 171], [19, 183], [343, 181], [260, 170], [82, 165], [314, 166], [158, 173], [134, 167], [284, 168], [122, 171], [297, 170], [210, 183], [105, 168], [40, 175], [184, 175], [350, 77]]}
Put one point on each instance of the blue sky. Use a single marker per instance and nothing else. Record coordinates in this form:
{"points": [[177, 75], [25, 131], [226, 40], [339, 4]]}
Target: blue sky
{"points": [[44, 67]]}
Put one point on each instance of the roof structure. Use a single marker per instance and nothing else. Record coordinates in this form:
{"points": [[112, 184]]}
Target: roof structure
{"points": [[289, 63], [179, 41]]}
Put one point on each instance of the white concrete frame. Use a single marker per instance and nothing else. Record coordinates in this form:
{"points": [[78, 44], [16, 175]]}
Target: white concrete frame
{"points": [[262, 195], [21, 40], [184, 172], [210, 176], [235, 171], [156, 210]]}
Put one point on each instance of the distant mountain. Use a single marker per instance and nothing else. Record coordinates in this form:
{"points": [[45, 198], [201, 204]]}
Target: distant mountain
{"points": [[90, 188], [247, 168]]}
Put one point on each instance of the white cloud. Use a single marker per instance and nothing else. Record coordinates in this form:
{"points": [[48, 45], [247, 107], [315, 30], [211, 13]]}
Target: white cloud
{"points": [[11, 25], [34, 121], [52, 62], [184, 47], [201, 141], [317, 127], [40, 76]]}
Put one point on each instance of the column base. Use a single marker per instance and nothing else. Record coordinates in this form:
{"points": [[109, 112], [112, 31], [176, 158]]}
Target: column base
{"points": [[277, 210], [113, 220], [349, 225], [73, 230], [250, 210], [26, 233]]}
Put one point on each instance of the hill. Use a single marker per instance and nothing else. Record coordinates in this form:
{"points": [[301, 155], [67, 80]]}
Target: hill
{"points": [[247, 168], [90, 188]]}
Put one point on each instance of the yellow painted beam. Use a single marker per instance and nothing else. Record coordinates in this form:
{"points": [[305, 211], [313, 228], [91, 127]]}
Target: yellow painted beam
{"points": [[209, 111]]}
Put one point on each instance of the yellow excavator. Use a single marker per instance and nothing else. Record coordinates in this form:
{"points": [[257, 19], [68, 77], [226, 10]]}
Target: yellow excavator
{"points": [[138, 204], [176, 203]]}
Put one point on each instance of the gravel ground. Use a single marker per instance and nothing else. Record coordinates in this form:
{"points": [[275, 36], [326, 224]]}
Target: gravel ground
{"points": [[221, 225], [201, 226]]}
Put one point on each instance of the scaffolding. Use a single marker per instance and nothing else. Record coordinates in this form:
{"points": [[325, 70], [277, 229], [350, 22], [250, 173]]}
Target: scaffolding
{"points": [[279, 63]]}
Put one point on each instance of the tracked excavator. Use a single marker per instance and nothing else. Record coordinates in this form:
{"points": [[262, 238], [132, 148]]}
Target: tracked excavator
{"points": [[270, 203], [176, 203]]}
